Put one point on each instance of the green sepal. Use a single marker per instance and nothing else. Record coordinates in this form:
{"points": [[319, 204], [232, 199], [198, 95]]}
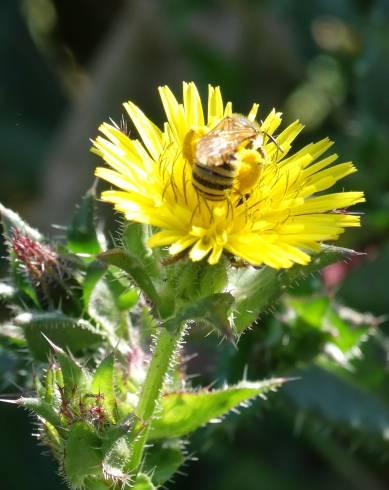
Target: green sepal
{"points": [[81, 233], [182, 413], [133, 266], [102, 384], [213, 310], [255, 289], [82, 456], [163, 460], [134, 240], [64, 331], [191, 281]]}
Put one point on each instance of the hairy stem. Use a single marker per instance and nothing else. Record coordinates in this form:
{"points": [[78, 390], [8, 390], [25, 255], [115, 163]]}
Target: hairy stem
{"points": [[164, 350]]}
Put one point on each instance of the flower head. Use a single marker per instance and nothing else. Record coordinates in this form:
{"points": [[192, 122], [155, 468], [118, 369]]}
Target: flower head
{"points": [[268, 213]]}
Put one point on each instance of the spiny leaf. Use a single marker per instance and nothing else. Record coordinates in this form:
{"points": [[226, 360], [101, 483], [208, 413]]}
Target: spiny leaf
{"points": [[162, 461], [182, 413], [38, 407], [75, 378], [255, 289], [64, 331], [82, 454], [134, 267], [81, 234], [213, 309], [340, 403]]}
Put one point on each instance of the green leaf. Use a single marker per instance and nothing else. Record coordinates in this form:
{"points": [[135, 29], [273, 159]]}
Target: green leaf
{"points": [[82, 454], [62, 330], [182, 413], [213, 309], [75, 378], [42, 409], [162, 461], [125, 295], [81, 234], [143, 482], [102, 384], [94, 273], [91, 484], [102, 307], [342, 325], [134, 267], [340, 403], [255, 289]]}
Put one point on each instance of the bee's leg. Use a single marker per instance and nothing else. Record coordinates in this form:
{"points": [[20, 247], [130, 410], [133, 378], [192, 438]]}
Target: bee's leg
{"points": [[230, 207], [209, 209], [194, 212]]}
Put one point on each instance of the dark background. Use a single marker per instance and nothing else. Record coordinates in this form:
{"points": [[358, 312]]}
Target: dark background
{"points": [[65, 66]]}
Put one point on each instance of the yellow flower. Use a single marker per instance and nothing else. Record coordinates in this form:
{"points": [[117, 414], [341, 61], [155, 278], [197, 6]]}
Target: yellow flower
{"points": [[271, 214]]}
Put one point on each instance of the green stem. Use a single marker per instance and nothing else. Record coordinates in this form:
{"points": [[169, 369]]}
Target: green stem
{"points": [[164, 350]]}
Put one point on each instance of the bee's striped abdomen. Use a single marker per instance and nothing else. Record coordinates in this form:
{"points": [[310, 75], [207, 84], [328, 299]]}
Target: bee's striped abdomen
{"points": [[213, 181]]}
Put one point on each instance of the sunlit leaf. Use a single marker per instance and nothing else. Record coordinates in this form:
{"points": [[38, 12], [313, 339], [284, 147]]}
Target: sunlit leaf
{"points": [[82, 454], [64, 331], [162, 461], [134, 267], [182, 413]]}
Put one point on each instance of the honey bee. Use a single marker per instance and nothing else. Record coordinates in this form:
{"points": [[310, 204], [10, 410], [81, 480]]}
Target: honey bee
{"points": [[215, 165]]}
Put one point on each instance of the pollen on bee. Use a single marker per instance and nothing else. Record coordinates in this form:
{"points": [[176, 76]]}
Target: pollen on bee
{"points": [[250, 170], [191, 139]]}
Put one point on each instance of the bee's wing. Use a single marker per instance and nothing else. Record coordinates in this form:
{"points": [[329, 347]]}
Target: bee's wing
{"points": [[216, 146], [223, 140]]}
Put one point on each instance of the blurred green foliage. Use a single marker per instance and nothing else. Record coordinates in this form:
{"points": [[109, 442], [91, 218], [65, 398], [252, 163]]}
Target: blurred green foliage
{"points": [[66, 66]]}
